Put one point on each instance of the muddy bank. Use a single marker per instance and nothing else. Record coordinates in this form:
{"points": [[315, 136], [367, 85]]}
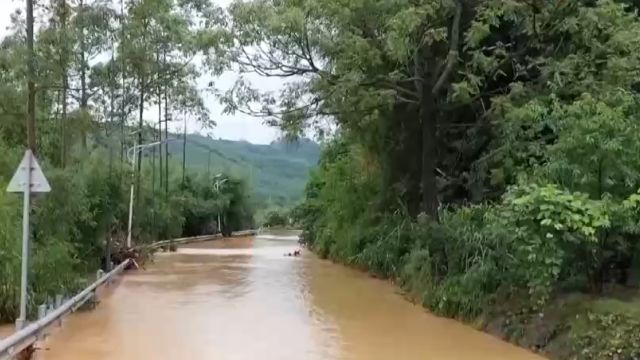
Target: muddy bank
{"points": [[575, 326]]}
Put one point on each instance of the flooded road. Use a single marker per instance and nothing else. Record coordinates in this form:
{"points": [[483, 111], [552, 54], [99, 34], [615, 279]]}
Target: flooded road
{"points": [[242, 299]]}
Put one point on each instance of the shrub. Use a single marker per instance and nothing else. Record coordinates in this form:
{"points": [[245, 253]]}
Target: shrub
{"points": [[275, 218], [598, 335], [549, 226], [456, 266], [385, 247]]}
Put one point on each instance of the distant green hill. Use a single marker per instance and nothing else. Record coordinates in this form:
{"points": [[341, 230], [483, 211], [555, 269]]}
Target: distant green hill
{"points": [[277, 172]]}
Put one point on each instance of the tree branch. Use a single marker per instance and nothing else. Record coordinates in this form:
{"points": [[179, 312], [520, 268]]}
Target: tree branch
{"points": [[275, 114], [452, 57]]}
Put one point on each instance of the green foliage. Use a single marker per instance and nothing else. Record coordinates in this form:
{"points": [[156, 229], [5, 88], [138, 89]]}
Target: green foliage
{"points": [[588, 145], [338, 200], [275, 218], [550, 225], [10, 249], [385, 246], [458, 265], [606, 335]]}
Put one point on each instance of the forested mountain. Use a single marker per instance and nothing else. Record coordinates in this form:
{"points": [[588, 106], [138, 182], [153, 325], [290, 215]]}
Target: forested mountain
{"points": [[277, 173]]}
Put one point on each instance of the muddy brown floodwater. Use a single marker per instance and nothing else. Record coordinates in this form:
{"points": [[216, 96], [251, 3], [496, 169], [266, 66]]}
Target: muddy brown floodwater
{"points": [[242, 299]]}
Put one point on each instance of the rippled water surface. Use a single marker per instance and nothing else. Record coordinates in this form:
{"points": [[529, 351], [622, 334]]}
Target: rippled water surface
{"points": [[242, 299]]}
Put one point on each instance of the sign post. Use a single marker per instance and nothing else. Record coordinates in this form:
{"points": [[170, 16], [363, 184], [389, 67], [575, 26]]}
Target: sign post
{"points": [[27, 179]]}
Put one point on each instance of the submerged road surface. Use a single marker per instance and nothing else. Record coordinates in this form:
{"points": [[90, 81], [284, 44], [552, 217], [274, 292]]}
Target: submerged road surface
{"points": [[242, 299]]}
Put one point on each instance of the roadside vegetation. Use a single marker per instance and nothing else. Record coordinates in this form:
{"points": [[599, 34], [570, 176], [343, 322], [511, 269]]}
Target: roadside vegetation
{"points": [[99, 67], [484, 154]]}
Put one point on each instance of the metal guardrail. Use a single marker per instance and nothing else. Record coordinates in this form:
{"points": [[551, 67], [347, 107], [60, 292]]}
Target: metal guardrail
{"points": [[186, 240], [22, 339], [194, 239]]}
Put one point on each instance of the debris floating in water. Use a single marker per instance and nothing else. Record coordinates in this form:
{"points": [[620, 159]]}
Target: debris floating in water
{"points": [[295, 253]]}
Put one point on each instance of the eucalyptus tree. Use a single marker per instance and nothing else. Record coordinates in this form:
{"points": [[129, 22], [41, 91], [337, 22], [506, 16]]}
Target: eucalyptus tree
{"points": [[159, 52], [92, 29]]}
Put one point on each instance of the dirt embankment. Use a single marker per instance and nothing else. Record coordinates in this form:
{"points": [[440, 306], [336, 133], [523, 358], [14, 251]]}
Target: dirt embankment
{"points": [[574, 326]]}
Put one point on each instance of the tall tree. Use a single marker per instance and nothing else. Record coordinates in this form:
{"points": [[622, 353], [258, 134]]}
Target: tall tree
{"points": [[31, 88], [63, 58]]}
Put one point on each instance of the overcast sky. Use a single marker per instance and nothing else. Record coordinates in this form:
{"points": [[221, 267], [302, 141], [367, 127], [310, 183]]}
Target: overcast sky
{"points": [[233, 127]]}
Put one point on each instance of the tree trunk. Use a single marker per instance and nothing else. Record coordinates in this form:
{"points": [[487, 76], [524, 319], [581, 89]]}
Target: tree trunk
{"points": [[153, 172], [184, 151], [124, 92], [166, 150], [153, 191], [429, 153], [84, 100], [65, 82], [401, 162], [160, 130], [112, 110], [166, 135], [429, 91], [140, 125], [31, 87]]}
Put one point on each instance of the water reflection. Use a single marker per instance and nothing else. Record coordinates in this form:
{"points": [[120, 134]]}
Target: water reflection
{"points": [[242, 299]]}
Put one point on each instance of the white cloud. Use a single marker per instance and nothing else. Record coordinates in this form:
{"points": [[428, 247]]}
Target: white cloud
{"points": [[232, 127]]}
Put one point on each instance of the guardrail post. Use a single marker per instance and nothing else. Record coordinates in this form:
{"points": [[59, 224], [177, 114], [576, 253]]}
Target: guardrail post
{"points": [[59, 303], [42, 312], [110, 268], [99, 275]]}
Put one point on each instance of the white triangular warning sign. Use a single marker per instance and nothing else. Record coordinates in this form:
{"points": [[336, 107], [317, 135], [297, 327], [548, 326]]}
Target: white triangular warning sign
{"points": [[39, 183]]}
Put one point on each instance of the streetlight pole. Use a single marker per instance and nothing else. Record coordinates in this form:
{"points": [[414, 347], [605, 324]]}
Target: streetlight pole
{"points": [[133, 151], [217, 188]]}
